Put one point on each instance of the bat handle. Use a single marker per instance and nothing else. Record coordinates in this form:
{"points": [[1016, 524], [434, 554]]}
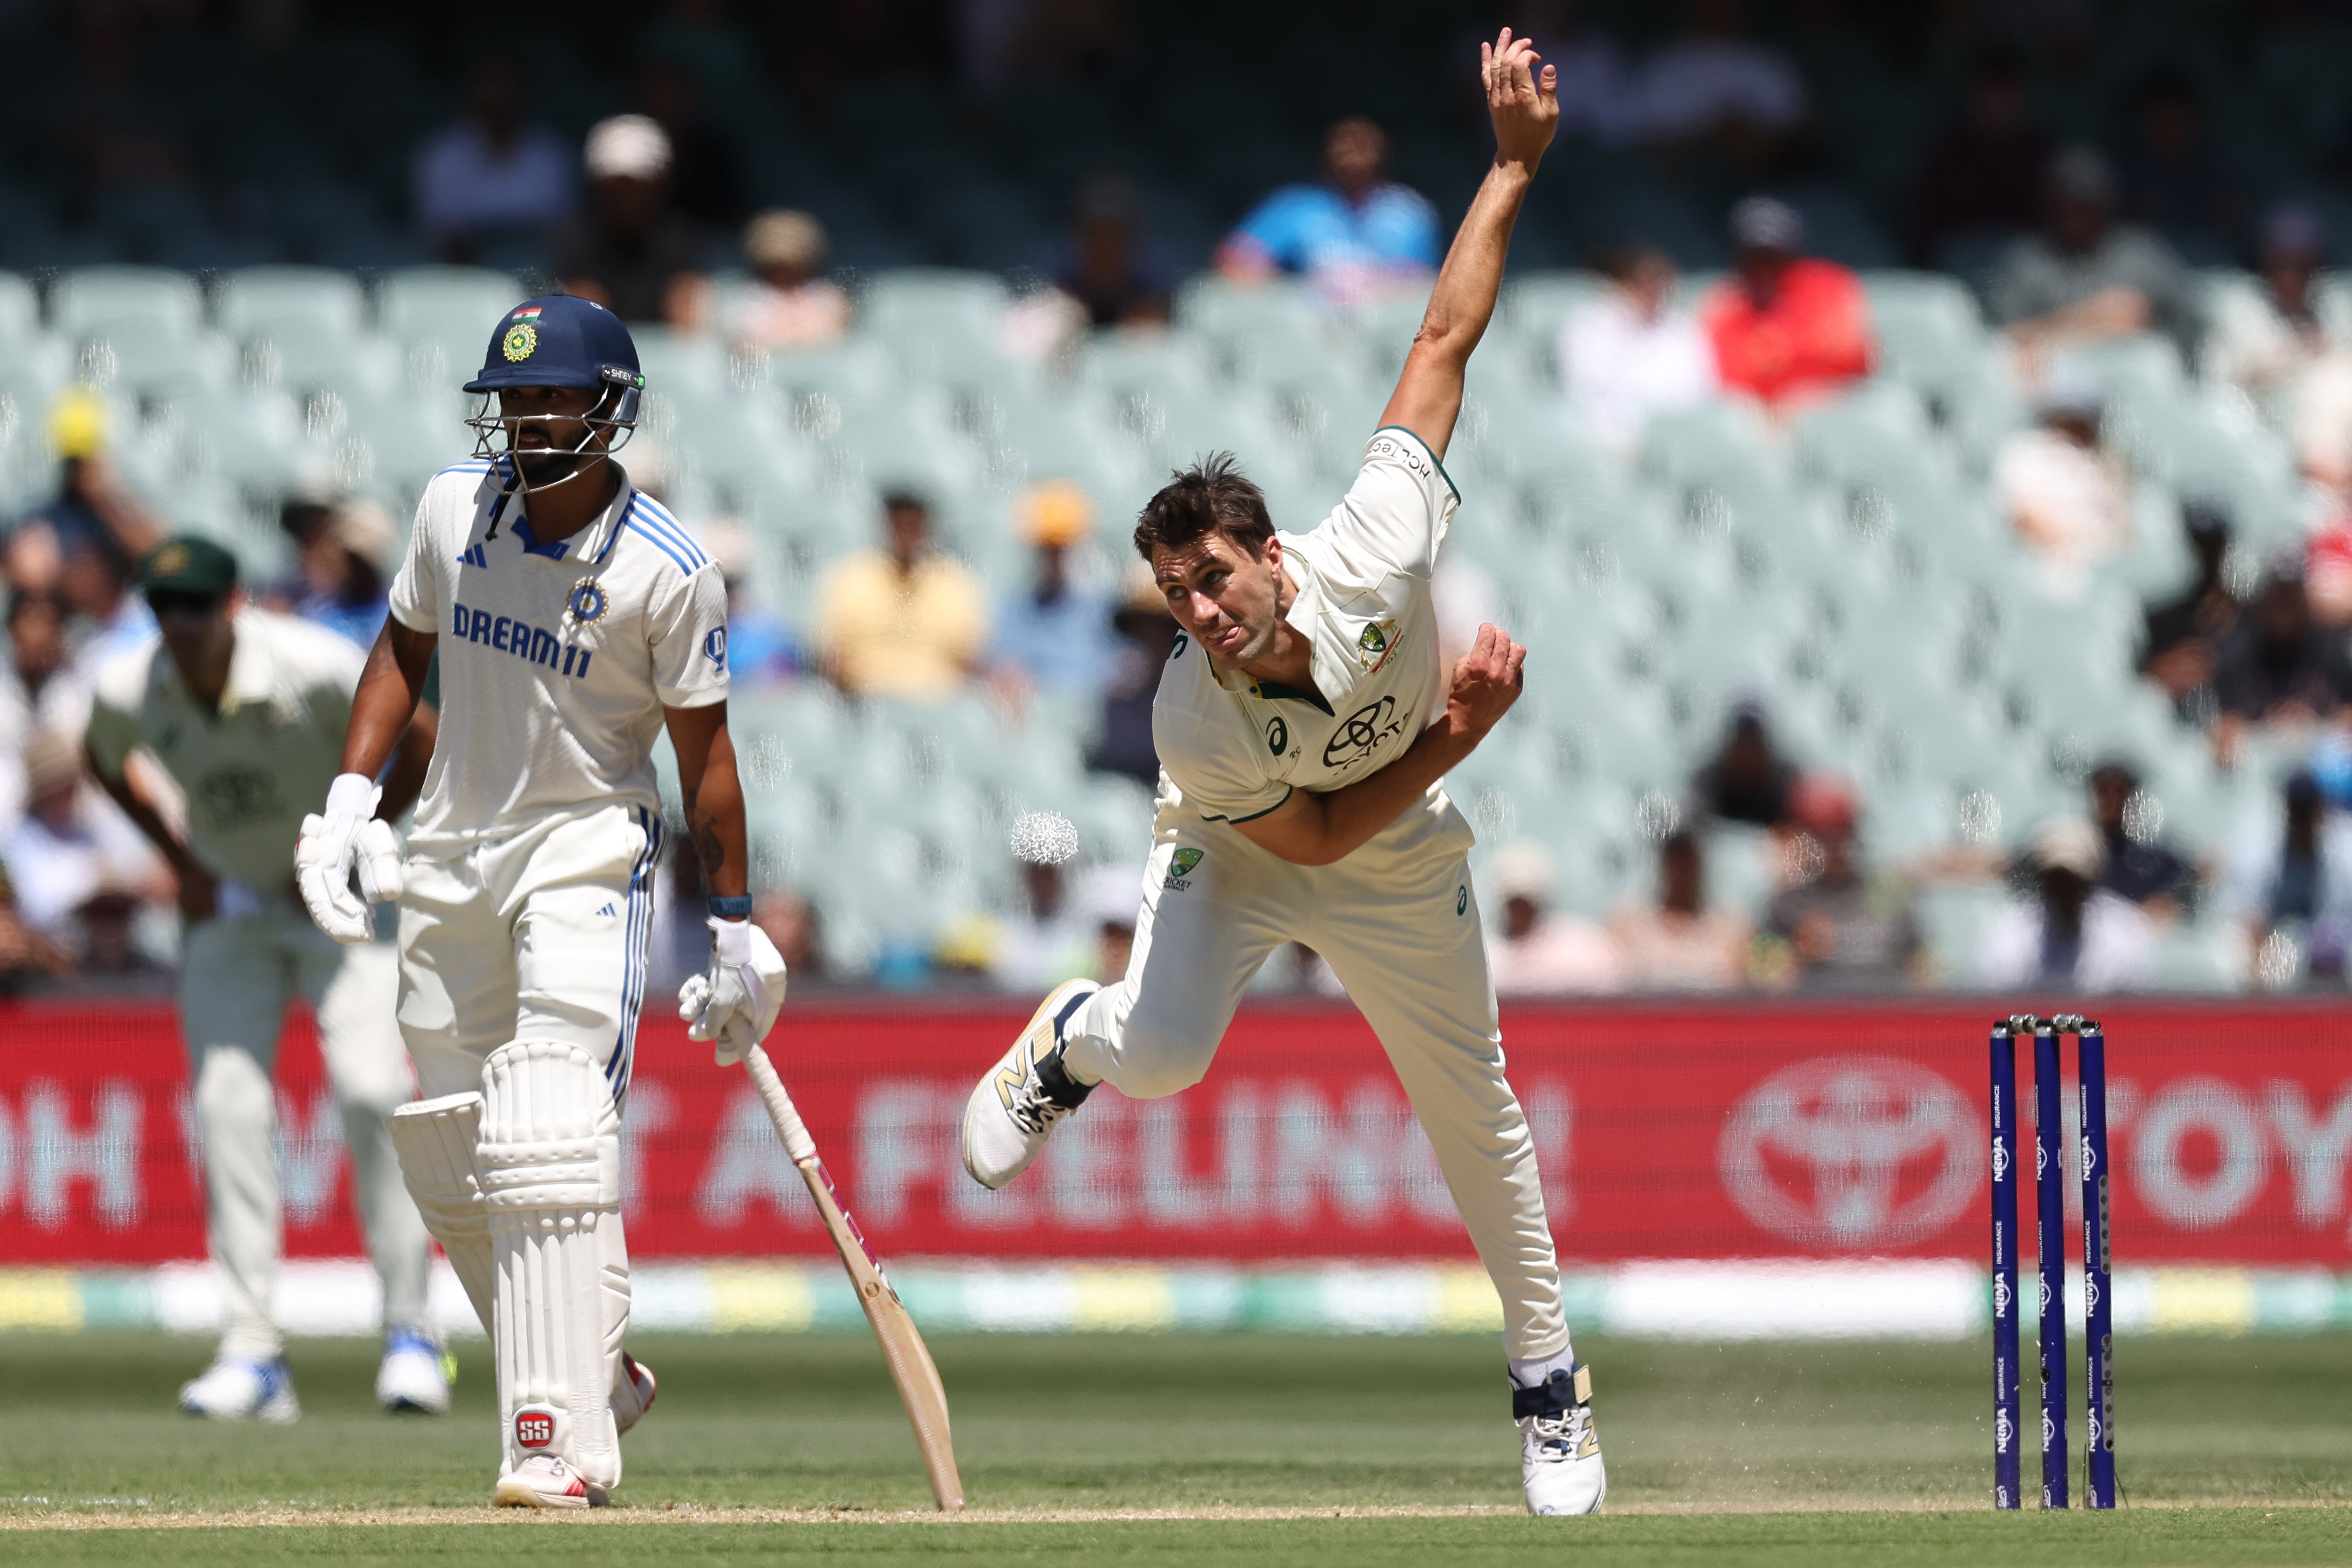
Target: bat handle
{"points": [[798, 1145]]}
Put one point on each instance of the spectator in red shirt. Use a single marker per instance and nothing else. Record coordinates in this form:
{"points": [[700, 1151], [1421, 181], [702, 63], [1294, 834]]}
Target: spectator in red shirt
{"points": [[1788, 329]]}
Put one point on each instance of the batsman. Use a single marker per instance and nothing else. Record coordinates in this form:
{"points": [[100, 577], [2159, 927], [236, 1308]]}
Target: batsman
{"points": [[1300, 800], [575, 620]]}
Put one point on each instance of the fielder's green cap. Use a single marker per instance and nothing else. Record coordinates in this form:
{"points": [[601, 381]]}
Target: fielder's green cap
{"points": [[187, 564]]}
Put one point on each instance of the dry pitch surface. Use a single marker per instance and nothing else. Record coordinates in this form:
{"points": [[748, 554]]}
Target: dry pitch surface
{"points": [[1185, 1448]]}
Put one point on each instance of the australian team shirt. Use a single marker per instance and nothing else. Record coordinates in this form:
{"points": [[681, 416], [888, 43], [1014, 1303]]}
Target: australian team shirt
{"points": [[1232, 748], [557, 659], [251, 767]]}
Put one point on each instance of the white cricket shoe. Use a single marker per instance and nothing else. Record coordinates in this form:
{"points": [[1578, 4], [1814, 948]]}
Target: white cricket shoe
{"points": [[633, 1393], [1559, 1455], [237, 1388], [411, 1377], [1014, 1109], [543, 1481]]}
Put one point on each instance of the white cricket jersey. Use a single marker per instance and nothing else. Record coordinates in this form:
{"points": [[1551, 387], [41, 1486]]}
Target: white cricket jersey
{"points": [[1232, 748], [556, 659], [253, 768]]}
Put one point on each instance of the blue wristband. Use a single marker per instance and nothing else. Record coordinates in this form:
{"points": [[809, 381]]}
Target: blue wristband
{"points": [[736, 909]]}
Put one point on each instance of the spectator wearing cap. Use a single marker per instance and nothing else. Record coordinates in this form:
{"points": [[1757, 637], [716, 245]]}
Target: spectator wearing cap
{"points": [[791, 304], [1631, 352], [1677, 942], [1748, 780], [2287, 885], [80, 542], [1055, 635], [343, 586], [1837, 928], [2069, 934], [903, 621], [630, 251], [2066, 496], [2137, 863], [2181, 651], [1787, 329], [1356, 235], [2085, 278], [2278, 665], [1540, 950], [1107, 264], [490, 173]]}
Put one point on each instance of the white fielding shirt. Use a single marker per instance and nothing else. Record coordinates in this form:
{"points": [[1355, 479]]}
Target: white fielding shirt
{"points": [[252, 769], [556, 659], [1230, 748]]}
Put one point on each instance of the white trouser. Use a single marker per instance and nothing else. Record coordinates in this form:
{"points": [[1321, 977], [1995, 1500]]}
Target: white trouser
{"points": [[236, 976], [1398, 922], [537, 936], [536, 942]]}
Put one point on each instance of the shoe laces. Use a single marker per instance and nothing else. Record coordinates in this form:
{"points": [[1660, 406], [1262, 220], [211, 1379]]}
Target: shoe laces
{"points": [[1558, 1437], [1034, 1111]]}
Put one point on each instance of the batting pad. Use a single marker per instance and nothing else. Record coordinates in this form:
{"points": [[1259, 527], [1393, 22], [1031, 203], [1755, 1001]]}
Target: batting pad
{"points": [[434, 1140], [550, 1172]]}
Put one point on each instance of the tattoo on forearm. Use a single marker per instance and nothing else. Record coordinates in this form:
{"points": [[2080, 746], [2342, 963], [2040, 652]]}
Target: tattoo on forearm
{"points": [[382, 663], [707, 846]]}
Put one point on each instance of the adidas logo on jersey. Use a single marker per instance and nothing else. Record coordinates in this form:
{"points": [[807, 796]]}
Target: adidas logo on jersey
{"points": [[474, 555], [607, 912]]}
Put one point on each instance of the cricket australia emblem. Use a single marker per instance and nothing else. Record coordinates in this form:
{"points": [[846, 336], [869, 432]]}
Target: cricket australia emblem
{"points": [[1378, 641], [1181, 867]]}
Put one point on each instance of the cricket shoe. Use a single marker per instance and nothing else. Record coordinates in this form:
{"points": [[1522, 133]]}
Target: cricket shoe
{"points": [[413, 1376], [544, 1480], [1016, 1106], [1559, 1455], [633, 1393], [237, 1388]]}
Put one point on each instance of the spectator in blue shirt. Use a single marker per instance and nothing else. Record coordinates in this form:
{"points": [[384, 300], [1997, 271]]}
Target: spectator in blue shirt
{"points": [[343, 586], [1355, 234], [1054, 635]]}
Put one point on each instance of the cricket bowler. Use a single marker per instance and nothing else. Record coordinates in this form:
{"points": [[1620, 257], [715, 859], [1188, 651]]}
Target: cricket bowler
{"points": [[575, 621], [1300, 800], [245, 711]]}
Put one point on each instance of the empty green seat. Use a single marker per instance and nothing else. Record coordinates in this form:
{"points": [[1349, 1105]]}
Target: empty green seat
{"points": [[102, 301]]}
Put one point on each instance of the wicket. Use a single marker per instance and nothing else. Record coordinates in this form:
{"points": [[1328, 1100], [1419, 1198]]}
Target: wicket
{"points": [[2050, 1260]]}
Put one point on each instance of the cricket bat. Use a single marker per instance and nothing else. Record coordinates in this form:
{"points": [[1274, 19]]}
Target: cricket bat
{"points": [[910, 1363]]}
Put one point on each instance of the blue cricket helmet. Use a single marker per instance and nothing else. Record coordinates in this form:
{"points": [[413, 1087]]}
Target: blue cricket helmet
{"points": [[560, 340]]}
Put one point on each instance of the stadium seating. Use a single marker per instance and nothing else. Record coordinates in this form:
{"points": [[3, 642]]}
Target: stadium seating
{"points": [[1850, 571]]}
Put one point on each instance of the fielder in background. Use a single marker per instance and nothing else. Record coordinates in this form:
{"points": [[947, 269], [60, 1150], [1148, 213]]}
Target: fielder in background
{"points": [[1300, 801], [575, 619], [245, 711]]}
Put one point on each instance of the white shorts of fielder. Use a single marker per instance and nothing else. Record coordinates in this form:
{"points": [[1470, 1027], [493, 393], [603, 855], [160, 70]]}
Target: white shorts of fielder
{"points": [[237, 975], [522, 972], [1397, 920]]}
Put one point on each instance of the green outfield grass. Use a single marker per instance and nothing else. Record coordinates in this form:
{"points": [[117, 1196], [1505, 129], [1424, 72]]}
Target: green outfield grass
{"points": [[1200, 1424]]}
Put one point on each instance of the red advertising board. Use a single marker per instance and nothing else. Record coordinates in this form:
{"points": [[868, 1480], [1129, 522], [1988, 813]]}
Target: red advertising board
{"points": [[1682, 1131]]}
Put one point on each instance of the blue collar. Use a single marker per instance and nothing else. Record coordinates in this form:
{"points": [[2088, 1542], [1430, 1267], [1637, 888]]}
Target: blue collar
{"points": [[530, 544]]}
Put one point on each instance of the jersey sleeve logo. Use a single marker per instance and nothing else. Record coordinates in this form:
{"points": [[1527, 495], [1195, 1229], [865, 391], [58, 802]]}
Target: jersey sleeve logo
{"points": [[714, 646], [589, 602]]}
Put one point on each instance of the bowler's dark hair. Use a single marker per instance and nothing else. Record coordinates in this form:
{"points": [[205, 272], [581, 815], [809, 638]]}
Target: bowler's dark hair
{"points": [[1210, 496]]}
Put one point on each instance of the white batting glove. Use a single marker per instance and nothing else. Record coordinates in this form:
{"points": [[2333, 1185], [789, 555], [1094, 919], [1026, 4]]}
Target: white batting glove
{"points": [[734, 1005], [345, 841]]}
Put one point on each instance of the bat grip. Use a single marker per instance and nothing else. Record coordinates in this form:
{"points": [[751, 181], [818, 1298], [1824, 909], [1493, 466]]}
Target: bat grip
{"points": [[798, 1144]]}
